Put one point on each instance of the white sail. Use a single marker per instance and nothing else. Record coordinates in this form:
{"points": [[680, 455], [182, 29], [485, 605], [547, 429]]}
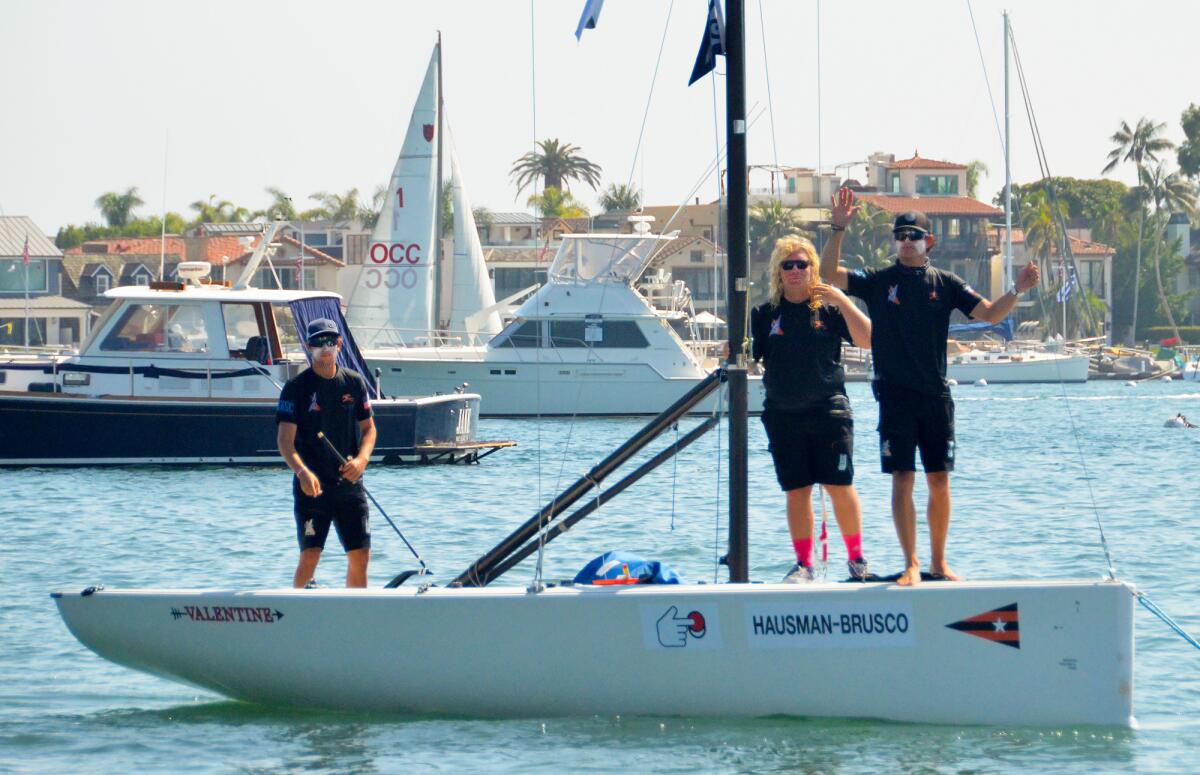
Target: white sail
{"points": [[394, 297], [471, 292]]}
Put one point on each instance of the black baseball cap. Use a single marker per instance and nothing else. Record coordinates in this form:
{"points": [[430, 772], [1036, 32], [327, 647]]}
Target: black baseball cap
{"points": [[912, 220], [322, 327]]}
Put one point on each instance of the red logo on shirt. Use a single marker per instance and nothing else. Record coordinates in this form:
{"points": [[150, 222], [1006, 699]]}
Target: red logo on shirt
{"points": [[347, 398], [933, 296]]}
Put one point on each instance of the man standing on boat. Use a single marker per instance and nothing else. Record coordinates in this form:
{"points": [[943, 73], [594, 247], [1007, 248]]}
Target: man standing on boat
{"points": [[328, 399], [910, 303], [798, 336]]}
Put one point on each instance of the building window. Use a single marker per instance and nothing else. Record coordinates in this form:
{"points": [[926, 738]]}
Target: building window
{"points": [[103, 282], [697, 256], [1091, 276], [953, 228], [700, 282], [938, 185], [707, 234], [141, 279], [14, 272], [791, 185], [894, 182]]}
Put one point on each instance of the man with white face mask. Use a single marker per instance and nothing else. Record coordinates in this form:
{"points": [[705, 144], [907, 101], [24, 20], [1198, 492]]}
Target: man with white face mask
{"points": [[910, 303]]}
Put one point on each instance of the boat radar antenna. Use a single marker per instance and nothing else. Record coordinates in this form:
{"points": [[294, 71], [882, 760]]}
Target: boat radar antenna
{"points": [[192, 272], [641, 223]]}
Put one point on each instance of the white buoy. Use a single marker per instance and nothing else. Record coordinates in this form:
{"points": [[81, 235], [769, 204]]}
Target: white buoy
{"points": [[952, 382], [1130, 383], [981, 382], [1174, 422], [1165, 378]]}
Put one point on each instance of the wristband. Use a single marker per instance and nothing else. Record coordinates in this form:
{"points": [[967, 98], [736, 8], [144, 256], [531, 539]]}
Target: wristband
{"points": [[1013, 290]]}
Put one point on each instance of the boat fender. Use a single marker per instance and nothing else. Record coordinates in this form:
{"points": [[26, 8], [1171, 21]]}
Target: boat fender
{"points": [[981, 382], [403, 577], [89, 591]]}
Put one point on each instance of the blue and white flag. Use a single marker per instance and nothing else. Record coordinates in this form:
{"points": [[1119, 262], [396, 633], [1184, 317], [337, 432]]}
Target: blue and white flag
{"points": [[591, 15], [1068, 285], [713, 44]]}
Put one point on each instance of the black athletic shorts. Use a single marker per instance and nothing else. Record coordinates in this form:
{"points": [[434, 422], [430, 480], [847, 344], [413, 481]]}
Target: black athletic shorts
{"points": [[908, 421], [811, 447], [343, 505]]}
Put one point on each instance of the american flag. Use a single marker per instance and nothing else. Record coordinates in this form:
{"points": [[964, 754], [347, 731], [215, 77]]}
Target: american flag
{"points": [[25, 253]]}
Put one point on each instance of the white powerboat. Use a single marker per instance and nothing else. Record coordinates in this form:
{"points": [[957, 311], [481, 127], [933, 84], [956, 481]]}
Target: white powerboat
{"points": [[586, 343]]}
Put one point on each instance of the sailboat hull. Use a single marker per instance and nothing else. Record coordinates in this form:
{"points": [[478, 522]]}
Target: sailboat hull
{"points": [[1005, 653]]}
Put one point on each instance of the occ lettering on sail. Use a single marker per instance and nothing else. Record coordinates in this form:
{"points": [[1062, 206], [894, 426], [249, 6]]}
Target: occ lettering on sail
{"points": [[830, 626]]}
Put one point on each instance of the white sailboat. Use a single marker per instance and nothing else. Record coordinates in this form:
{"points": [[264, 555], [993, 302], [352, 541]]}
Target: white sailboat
{"points": [[989, 652]]}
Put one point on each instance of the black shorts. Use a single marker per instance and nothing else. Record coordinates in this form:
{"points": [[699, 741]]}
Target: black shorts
{"points": [[811, 447], [908, 421], [343, 505]]}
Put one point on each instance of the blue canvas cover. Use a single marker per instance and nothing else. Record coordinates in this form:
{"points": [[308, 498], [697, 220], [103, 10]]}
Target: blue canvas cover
{"points": [[306, 310], [611, 567]]}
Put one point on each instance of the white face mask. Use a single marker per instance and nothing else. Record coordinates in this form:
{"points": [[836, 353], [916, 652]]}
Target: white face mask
{"points": [[918, 246]]}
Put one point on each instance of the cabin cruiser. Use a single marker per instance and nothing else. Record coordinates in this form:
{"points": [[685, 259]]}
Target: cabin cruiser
{"points": [[1016, 365], [190, 372], [586, 343]]}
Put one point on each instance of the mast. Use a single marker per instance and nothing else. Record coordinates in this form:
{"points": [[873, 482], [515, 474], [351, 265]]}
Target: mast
{"points": [[1008, 278], [735, 130], [437, 203]]}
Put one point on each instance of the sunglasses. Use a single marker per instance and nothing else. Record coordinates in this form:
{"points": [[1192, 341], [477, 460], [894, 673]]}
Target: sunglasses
{"points": [[323, 341], [910, 235], [788, 266]]}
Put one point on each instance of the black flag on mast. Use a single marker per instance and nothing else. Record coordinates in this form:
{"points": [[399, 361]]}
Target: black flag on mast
{"points": [[713, 44]]}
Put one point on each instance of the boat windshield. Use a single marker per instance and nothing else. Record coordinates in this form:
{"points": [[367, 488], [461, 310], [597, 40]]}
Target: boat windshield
{"points": [[602, 258]]}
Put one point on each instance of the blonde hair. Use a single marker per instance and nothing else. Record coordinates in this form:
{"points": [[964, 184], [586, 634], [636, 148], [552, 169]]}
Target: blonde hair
{"points": [[786, 247]]}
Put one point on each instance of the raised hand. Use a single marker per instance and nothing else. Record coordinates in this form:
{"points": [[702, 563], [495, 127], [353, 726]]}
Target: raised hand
{"points": [[843, 208], [1029, 277]]}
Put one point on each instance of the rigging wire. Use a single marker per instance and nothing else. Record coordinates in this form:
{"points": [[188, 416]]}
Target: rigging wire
{"points": [[986, 80], [653, 80], [1141, 597], [762, 26], [718, 412]]}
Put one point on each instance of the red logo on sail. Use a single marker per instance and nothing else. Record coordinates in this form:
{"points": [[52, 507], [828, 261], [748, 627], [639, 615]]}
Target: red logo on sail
{"points": [[999, 625], [427, 130]]}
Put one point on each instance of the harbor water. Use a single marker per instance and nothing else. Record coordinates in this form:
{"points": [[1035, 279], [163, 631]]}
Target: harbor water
{"points": [[1038, 466]]}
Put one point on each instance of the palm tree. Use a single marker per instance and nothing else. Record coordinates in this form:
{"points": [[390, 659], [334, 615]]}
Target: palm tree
{"points": [[553, 203], [868, 240], [619, 198], [223, 211], [1042, 224], [340, 208], [117, 209], [975, 169], [1171, 192], [281, 206], [557, 164], [1139, 145]]}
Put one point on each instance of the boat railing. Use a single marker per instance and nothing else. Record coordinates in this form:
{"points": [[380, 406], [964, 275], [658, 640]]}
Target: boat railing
{"points": [[387, 338]]}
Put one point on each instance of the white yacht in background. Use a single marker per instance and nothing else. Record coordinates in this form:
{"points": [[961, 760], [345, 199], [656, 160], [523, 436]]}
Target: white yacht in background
{"points": [[1013, 366], [586, 343]]}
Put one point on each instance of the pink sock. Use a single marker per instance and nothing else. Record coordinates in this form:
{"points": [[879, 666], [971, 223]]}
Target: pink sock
{"points": [[853, 546], [804, 551]]}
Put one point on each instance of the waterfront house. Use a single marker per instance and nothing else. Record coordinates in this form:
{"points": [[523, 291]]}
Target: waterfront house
{"points": [[53, 319]]}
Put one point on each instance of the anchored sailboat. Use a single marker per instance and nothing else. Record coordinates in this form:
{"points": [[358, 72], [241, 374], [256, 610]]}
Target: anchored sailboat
{"points": [[990, 652]]}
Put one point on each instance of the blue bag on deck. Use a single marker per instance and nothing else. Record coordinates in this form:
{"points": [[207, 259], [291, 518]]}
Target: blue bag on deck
{"points": [[618, 567]]}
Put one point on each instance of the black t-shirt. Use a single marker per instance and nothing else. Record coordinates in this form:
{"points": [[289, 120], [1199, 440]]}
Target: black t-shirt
{"points": [[910, 317], [334, 406], [802, 357]]}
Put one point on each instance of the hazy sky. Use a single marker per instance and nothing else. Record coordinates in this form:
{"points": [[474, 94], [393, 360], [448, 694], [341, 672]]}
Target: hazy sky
{"points": [[315, 96]]}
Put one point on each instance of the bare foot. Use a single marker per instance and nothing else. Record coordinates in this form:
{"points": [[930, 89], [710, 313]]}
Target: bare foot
{"points": [[910, 577], [945, 572]]}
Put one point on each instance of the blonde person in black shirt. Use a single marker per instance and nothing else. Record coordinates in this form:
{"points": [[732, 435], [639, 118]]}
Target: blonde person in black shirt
{"points": [[798, 336]]}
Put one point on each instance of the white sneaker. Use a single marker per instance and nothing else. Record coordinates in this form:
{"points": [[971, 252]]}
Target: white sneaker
{"points": [[799, 574]]}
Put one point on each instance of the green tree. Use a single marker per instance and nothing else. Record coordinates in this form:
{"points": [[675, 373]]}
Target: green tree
{"points": [[281, 206], [975, 169], [116, 208], [70, 235], [868, 239], [1042, 223], [557, 164], [553, 203], [1140, 145], [340, 208], [620, 198], [1188, 154], [222, 211], [483, 217], [1168, 191]]}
